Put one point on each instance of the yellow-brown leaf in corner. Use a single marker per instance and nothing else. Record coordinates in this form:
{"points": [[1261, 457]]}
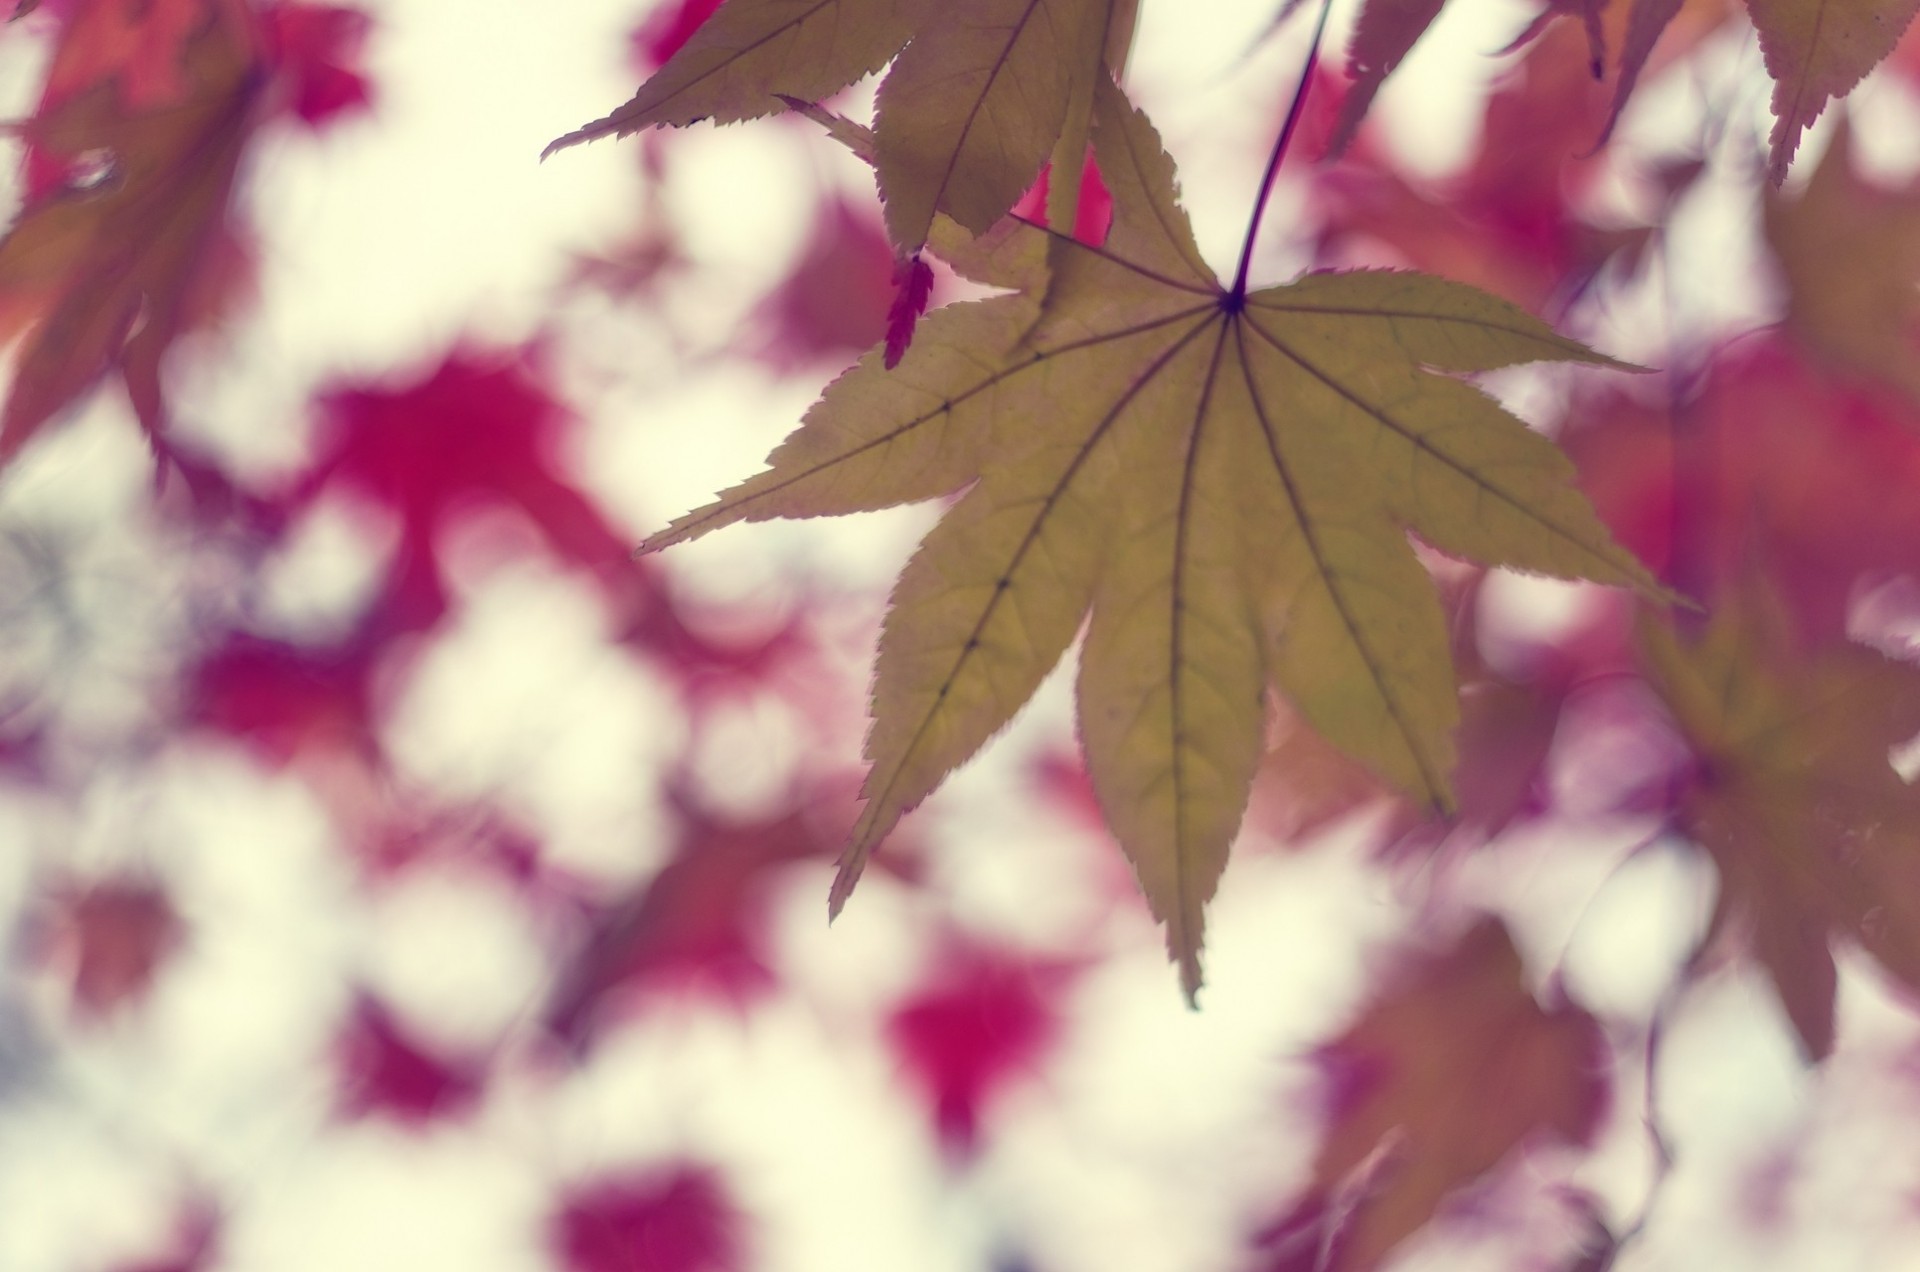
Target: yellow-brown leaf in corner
{"points": [[1850, 251], [965, 119], [1815, 834], [1816, 50], [1225, 479]]}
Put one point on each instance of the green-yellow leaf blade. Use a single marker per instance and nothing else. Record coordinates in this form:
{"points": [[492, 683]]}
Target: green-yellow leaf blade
{"points": [[974, 106], [1448, 462], [879, 438], [751, 51], [1172, 686]]}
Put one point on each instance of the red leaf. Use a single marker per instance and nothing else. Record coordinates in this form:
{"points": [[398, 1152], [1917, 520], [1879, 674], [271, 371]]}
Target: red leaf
{"points": [[983, 1018], [112, 935], [682, 1220], [666, 28], [835, 303], [317, 48], [286, 699], [1763, 454], [913, 288], [478, 431], [693, 924], [1511, 222], [1814, 834], [1449, 1071], [385, 1072]]}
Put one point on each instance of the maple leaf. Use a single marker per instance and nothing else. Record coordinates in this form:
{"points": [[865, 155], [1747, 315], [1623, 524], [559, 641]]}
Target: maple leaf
{"points": [[476, 430], [317, 48], [914, 281], [1225, 478], [978, 98], [1448, 1072], [1814, 833], [109, 275], [1850, 251], [1816, 50], [836, 301]]}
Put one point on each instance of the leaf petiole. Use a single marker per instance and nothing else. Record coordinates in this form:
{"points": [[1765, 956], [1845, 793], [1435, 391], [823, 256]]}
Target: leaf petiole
{"points": [[1238, 291]]}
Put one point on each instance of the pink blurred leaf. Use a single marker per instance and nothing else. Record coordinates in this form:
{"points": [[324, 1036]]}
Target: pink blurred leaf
{"points": [[836, 301], [694, 924], [479, 430], [112, 935], [984, 1017], [286, 699], [384, 1071], [677, 1220], [317, 49], [1452, 1068]]}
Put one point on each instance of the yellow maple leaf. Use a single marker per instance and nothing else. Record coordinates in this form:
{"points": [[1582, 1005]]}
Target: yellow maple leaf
{"points": [[1814, 833], [972, 108], [1223, 478]]}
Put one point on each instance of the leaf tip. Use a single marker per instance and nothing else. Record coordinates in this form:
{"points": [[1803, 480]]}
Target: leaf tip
{"points": [[844, 880], [1190, 979], [562, 142]]}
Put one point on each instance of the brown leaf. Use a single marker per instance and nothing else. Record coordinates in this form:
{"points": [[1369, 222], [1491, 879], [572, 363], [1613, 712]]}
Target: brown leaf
{"points": [[1850, 250], [1815, 835], [1449, 1071]]}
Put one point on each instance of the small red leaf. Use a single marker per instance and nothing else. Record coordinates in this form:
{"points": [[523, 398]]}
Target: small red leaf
{"points": [[386, 1072], [681, 1220], [316, 48], [913, 284], [480, 430], [984, 1018]]}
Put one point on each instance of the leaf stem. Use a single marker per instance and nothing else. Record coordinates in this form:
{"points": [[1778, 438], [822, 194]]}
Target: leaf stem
{"points": [[1239, 288]]}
